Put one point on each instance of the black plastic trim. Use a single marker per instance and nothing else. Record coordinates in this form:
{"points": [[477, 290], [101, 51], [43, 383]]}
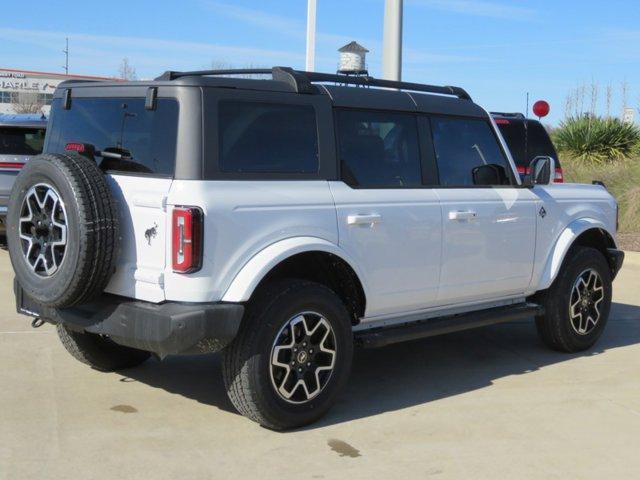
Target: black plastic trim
{"points": [[165, 329], [381, 337]]}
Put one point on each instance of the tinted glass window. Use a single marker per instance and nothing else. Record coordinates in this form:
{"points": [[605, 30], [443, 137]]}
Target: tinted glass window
{"points": [[537, 140], [379, 149], [267, 138], [21, 141], [144, 140], [461, 145]]}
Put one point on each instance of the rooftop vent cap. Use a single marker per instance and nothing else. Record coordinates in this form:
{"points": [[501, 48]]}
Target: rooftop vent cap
{"points": [[353, 59]]}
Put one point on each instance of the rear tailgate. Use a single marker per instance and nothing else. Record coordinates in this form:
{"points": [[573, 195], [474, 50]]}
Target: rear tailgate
{"points": [[143, 245]]}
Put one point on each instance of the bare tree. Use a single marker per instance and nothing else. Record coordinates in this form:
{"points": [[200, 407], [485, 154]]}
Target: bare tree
{"points": [[127, 71], [28, 102], [624, 91], [609, 97]]}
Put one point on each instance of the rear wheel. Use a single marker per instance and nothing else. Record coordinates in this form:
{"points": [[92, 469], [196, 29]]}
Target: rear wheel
{"points": [[99, 352], [292, 356], [578, 302]]}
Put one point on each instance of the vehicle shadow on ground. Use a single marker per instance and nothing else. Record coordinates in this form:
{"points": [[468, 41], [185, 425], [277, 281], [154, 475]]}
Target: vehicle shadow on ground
{"points": [[408, 374]]}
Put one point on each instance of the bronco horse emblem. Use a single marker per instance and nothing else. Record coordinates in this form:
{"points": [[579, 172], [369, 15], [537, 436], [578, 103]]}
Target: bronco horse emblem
{"points": [[151, 233]]}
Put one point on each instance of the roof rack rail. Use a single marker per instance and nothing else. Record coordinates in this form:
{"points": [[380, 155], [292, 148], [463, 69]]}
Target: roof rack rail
{"points": [[302, 81]]}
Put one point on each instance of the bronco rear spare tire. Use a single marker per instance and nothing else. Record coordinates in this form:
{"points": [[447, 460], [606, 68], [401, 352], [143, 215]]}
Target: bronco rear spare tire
{"points": [[62, 229]]}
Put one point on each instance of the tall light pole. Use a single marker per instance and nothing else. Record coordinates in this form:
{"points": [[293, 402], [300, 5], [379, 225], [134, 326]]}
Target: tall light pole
{"points": [[392, 40], [311, 36], [66, 56]]}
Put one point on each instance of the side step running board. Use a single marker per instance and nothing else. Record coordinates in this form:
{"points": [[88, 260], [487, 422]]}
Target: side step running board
{"points": [[381, 337]]}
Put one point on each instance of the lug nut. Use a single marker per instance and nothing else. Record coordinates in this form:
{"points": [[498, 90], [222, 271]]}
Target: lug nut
{"points": [[304, 344], [308, 364]]}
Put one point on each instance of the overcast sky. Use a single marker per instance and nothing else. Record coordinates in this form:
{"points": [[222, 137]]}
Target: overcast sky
{"points": [[496, 49]]}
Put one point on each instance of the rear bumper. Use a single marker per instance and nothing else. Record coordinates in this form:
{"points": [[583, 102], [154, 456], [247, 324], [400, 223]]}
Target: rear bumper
{"points": [[165, 329]]}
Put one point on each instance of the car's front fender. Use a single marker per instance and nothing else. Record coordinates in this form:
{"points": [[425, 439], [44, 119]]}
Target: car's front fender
{"points": [[563, 244]]}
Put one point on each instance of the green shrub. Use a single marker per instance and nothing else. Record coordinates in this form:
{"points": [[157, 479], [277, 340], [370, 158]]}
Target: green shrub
{"points": [[597, 140]]}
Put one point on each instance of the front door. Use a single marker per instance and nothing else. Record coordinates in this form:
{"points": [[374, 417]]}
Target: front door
{"points": [[488, 229]]}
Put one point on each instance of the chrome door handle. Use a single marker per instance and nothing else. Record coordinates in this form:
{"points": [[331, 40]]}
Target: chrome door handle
{"points": [[371, 219], [461, 215]]}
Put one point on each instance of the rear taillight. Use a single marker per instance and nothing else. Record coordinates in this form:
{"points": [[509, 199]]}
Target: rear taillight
{"points": [[11, 165], [559, 177], [521, 170], [187, 230]]}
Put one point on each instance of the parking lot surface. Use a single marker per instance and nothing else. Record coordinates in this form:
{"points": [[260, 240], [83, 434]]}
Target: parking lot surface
{"points": [[489, 403]]}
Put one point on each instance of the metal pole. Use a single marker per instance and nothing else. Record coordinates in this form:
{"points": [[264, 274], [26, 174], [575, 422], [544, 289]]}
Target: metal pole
{"points": [[311, 36], [392, 40], [66, 56]]}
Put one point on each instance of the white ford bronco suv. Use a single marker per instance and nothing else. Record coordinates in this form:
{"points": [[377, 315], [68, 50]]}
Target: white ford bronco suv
{"points": [[284, 219]]}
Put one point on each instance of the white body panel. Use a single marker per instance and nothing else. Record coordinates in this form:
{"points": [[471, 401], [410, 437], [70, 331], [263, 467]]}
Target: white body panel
{"points": [[488, 242], [242, 218], [571, 209], [417, 252], [395, 236], [143, 241]]}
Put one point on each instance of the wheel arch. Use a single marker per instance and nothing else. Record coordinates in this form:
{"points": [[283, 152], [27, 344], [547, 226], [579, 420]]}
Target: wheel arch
{"points": [[584, 232], [307, 258]]}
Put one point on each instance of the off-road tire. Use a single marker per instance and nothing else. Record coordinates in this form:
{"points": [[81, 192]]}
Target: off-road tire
{"points": [[99, 352], [554, 327], [92, 230], [246, 361]]}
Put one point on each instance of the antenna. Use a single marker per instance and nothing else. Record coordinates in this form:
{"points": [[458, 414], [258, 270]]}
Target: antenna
{"points": [[66, 56]]}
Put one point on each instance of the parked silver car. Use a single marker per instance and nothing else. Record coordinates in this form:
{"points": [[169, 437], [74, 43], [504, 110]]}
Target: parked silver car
{"points": [[21, 136]]}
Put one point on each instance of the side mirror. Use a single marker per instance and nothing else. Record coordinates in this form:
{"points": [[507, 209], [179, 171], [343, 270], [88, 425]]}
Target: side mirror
{"points": [[541, 171], [490, 174]]}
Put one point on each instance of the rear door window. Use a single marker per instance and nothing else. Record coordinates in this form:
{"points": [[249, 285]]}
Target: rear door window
{"points": [[461, 145], [379, 149], [145, 140], [256, 137], [21, 141]]}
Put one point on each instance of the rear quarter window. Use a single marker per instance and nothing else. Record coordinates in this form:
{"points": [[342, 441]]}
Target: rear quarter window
{"points": [[537, 140], [21, 141], [145, 139], [257, 137]]}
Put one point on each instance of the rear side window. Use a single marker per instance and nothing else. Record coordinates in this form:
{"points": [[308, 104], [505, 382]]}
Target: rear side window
{"points": [[379, 149], [267, 138], [145, 140], [536, 138], [461, 145], [21, 141]]}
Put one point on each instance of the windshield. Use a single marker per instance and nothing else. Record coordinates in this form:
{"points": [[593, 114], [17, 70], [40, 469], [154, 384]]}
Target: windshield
{"points": [[21, 141]]}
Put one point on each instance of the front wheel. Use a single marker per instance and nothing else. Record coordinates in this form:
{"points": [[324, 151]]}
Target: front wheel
{"points": [[578, 302], [292, 356]]}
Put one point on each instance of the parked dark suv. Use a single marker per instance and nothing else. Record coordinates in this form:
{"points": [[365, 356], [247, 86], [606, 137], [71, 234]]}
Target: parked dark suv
{"points": [[527, 139], [21, 136]]}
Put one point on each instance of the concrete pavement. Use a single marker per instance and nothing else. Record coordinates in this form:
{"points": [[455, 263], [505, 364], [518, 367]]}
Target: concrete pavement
{"points": [[490, 403]]}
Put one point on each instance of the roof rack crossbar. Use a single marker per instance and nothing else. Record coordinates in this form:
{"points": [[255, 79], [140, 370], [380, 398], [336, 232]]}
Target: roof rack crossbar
{"points": [[302, 81]]}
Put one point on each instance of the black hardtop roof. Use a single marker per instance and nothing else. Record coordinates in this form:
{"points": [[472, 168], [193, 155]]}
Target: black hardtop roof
{"points": [[370, 92]]}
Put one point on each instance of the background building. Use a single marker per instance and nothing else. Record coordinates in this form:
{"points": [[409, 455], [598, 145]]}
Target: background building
{"points": [[24, 91]]}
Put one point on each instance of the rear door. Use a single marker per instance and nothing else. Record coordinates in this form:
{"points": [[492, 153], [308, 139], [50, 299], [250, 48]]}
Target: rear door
{"points": [[488, 229], [388, 222], [138, 155]]}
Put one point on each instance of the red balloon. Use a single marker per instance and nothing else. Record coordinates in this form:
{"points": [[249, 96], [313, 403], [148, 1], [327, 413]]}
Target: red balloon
{"points": [[541, 108]]}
